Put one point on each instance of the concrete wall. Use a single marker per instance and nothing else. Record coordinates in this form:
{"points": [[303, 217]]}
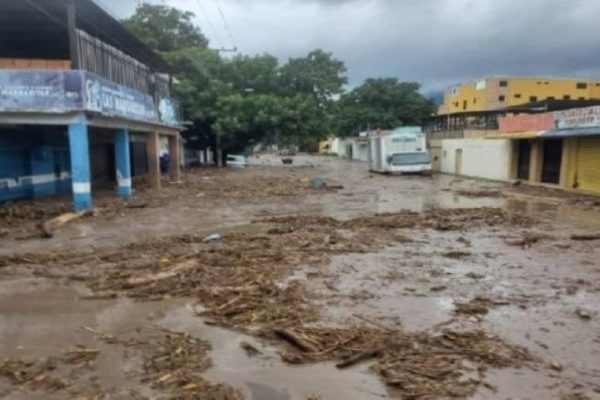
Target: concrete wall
{"points": [[360, 151], [481, 158], [528, 122]]}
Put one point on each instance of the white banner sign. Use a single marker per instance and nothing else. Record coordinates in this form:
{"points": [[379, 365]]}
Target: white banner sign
{"points": [[577, 117]]}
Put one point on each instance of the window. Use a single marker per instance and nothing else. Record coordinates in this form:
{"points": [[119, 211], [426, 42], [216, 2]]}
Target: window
{"points": [[474, 101], [581, 85], [464, 105], [503, 83], [550, 98], [517, 96], [546, 83], [582, 98], [501, 98], [597, 84], [566, 97], [533, 98]]}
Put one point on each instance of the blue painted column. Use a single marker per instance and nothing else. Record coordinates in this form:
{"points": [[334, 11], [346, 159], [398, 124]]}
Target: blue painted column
{"points": [[123, 167], [80, 166], [42, 172]]}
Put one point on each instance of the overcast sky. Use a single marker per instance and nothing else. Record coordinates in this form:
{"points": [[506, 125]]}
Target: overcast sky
{"points": [[435, 42]]}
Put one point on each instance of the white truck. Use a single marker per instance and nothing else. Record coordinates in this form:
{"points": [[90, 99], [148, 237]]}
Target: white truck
{"points": [[403, 150]]}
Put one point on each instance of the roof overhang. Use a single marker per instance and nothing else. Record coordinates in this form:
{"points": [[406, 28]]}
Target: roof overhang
{"points": [[517, 135], [573, 132]]}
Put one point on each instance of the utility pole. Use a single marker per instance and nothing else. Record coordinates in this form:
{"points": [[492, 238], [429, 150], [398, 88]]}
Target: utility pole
{"points": [[219, 151]]}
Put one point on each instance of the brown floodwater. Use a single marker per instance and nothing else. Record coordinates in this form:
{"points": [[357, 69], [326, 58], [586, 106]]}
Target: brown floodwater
{"points": [[412, 285]]}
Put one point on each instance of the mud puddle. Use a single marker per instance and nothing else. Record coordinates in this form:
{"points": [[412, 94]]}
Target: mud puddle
{"points": [[264, 376], [40, 319]]}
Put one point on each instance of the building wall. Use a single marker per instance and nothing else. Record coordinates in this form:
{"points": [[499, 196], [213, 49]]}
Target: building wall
{"points": [[360, 150], [527, 122], [485, 94], [481, 158]]}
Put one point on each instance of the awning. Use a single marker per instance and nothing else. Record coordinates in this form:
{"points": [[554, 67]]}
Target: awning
{"points": [[573, 132], [517, 135]]}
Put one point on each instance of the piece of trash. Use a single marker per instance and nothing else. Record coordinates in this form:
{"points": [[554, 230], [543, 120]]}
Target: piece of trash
{"points": [[556, 366], [215, 237], [318, 182], [583, 314]]}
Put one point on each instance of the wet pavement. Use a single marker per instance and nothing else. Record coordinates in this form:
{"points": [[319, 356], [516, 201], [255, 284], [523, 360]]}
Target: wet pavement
{"points": [[414, 286]]}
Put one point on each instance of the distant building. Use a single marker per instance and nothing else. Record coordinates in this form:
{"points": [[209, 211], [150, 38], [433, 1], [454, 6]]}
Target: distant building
{"points": [[83, 103], [497, 93]]}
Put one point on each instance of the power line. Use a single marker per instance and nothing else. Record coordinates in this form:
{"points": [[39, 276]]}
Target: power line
{"points": [[211, 27], [226, 24]]}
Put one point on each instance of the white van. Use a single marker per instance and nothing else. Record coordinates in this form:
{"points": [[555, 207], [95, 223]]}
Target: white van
{"points": [[236, 161], [403, 150]]}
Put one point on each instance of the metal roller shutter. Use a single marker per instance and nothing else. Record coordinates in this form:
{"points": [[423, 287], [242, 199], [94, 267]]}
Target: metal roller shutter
{"points": [[588, 164]]}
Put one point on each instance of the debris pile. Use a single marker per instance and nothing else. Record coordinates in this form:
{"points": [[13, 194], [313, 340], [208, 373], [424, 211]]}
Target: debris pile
{"points": [[417, 365], [245, 281], [31, 375], [175, 365]]}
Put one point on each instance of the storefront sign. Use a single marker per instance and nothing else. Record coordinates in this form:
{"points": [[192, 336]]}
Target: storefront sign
{"points": [[577, 117], [65, 91], [168, 111], [40, 90], [106, 97]]}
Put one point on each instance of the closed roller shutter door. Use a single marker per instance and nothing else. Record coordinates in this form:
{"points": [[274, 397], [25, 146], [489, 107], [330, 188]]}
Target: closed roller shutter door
{"points": [[588, 164]]}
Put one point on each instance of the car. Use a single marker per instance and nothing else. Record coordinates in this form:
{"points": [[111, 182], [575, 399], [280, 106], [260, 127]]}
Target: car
{"points": [[236, 161]]}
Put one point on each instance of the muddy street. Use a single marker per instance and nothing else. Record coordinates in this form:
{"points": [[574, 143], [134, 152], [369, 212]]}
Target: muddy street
{"points": [[372, 287]]}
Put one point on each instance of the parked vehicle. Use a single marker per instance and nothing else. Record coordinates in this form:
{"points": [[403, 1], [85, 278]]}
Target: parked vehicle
{"points": [[419, 162], [401, 151], [236, 161]]}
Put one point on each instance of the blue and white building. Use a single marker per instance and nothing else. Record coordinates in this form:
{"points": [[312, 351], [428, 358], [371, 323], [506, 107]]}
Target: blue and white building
{"points": [[83, 103]]}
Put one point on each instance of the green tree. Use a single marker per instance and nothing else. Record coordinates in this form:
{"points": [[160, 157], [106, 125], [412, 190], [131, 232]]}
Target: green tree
{"points": [[318, 74], [384, 103], [165, 28]]}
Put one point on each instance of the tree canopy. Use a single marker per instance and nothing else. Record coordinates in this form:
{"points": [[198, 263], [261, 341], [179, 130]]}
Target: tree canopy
{"points": [[384, 103], [255, 99], [165, 28]]}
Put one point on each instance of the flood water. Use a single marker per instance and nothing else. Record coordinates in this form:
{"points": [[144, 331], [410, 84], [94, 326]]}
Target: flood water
{"points": [[411, 286]]}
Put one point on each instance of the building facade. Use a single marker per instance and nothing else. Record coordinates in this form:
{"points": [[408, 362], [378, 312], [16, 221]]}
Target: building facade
{"points": [[83, 103], [497, 93], [559, 149]]}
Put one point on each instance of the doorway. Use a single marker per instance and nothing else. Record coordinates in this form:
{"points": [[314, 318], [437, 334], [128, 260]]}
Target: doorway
{"points": [[458, 162], [552, 161], [523, 159]]}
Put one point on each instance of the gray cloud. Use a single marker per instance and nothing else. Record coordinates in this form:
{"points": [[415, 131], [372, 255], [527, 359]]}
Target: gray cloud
{"points": [[436, 42]]}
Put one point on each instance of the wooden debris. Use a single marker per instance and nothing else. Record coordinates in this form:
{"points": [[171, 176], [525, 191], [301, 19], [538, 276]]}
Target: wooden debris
{"points": [[49, 227], [586, 237], [296, 340], [160, 276], [363, 356]]}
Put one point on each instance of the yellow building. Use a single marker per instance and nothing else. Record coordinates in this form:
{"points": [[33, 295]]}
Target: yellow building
{"points": [[499, 92]]}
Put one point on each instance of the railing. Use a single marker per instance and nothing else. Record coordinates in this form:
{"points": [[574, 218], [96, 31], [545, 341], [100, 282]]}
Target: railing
{"points": [[111, 63]]}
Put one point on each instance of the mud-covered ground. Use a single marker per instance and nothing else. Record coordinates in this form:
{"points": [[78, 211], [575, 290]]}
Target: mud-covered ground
{"points": [[400, 287]]}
